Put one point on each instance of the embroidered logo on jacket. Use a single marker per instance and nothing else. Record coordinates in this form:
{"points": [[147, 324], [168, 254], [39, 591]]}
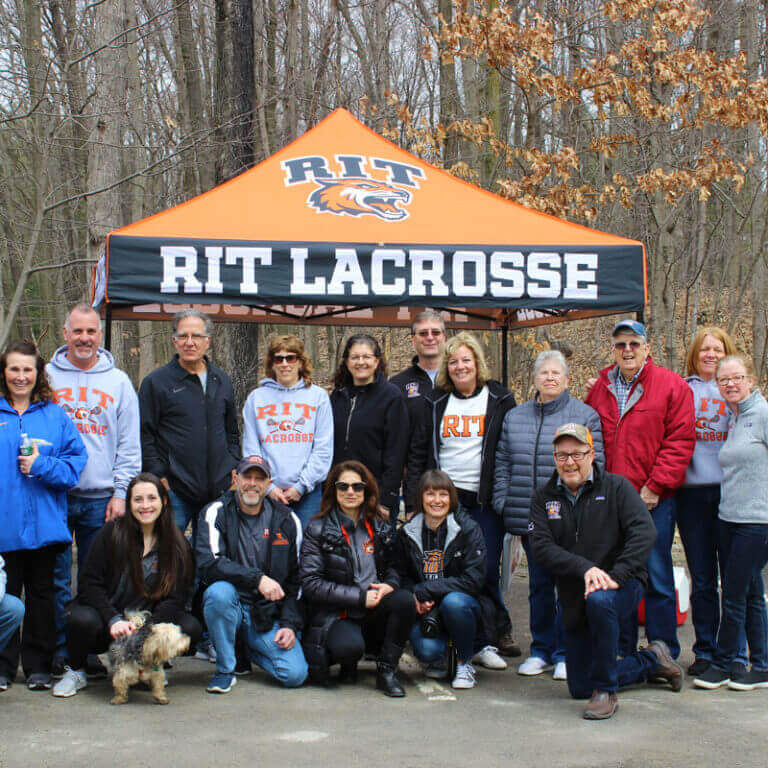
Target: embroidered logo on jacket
{"points": [[553, 510]]}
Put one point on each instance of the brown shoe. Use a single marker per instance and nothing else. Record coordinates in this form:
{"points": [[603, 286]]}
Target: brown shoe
{"points": [[667, 668], [507, 646], [601, 706]]}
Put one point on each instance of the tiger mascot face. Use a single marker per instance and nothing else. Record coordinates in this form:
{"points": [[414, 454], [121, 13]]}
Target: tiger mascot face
{"points": [[356, 197]]}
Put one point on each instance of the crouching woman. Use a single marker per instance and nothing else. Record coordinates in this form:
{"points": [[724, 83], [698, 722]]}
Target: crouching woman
{"points": [[349, 583], [441, 559], [139, 562]]}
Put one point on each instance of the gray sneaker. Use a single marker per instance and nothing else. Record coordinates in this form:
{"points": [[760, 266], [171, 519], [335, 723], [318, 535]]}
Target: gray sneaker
{"points": [[73, 681]]}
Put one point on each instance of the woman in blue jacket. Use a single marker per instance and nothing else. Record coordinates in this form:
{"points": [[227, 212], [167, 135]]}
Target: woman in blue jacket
{"points": [[33, 520]]}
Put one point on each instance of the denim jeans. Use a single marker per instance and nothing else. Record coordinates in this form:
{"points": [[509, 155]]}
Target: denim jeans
{"points": [[546, 621], [11, 615], [743, 601], [85, 517], [225, 616], [308, 506], [590, 652], [184, 512], [461, 617], [660, 598]]}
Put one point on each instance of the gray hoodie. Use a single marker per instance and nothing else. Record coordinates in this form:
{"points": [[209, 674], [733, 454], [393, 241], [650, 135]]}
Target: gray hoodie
{"points": [[713, 418], [744, 459], [104, 407]]}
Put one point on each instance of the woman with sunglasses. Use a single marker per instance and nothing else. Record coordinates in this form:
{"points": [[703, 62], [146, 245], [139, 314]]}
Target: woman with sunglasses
{"points": [[743, 530], [138, 562], [370, 419], [349, 584], [287, 419]]}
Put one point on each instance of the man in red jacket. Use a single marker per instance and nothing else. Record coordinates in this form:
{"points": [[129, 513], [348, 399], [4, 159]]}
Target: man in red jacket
{"points": [[647, 416]]}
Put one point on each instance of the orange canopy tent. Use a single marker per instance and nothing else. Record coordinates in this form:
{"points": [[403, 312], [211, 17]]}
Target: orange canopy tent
{"points": [[342, 226]]}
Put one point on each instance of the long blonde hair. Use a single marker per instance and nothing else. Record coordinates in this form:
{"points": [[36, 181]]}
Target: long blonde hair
{"points": [[463, 339]]}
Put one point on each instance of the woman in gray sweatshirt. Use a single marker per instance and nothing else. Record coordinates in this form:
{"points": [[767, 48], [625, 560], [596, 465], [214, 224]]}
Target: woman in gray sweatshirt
{"points": [[743, 529]]}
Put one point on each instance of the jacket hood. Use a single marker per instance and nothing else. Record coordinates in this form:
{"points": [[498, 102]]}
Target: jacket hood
{"points": [[273, 384], [104, 362], [413, 529]]}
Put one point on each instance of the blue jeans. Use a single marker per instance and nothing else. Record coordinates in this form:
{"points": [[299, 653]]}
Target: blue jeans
{"points": [[184, 512], [225, 615], [660, 598], [546, 621], [308, 506], [11, 615], [85, 518], [461, 616], [743, 601], [590, 652]]}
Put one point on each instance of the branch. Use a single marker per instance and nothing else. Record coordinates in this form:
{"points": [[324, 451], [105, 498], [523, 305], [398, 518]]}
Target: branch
{"points": [[59, 266]]}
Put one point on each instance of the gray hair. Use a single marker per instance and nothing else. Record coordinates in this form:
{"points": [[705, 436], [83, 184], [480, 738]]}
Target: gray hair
{"points": [[85, 309], [550, 355], [184, 313], [427, 314]]}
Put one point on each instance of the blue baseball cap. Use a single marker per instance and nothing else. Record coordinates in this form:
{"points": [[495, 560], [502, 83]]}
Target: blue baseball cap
{"points": [[629, 326]]}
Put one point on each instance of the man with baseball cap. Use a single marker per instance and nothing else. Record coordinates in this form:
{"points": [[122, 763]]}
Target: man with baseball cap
{"points": [[591, 530], [647, 416], [247, 559]]}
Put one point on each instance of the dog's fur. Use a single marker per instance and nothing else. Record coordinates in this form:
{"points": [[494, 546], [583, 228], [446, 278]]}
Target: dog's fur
{"points": [[141, 655]]}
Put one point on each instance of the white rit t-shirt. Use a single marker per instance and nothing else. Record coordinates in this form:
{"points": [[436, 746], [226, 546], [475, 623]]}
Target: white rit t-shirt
{"points": [[461, 439]]}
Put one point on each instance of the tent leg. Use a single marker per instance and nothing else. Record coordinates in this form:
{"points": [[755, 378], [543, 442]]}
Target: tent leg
{"points": [[504, 356], [639, 316], [108, 328]]}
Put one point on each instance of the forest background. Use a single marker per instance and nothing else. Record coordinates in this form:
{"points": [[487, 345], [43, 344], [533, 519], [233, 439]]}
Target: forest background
{"points": [[645, 119]]}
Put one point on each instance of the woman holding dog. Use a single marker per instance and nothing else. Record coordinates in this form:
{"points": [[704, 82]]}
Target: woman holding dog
{"points": [[139, 562], [33, 520]]}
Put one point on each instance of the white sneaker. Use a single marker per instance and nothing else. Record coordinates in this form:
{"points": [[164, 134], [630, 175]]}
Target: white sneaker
{"points": [[72, 681], [206, 652], [560, 671], [489, 658], [465, 677], [533, 665]]}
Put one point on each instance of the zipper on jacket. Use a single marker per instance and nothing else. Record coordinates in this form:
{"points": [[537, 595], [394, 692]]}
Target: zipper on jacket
{"points": [[352, 401]]}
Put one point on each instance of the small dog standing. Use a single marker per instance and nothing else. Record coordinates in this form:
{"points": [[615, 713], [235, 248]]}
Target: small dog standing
{"points": [[141, 655]]}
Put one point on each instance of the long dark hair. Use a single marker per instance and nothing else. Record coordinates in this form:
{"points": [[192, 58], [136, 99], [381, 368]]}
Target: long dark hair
{"points": [[370, 506], [42, 391], [173, 561], [342, 377], [436, 480]]}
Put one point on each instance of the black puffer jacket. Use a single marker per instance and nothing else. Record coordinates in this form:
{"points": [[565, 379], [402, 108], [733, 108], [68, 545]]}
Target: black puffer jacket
{"points": [[370, 425], [328, 586]]}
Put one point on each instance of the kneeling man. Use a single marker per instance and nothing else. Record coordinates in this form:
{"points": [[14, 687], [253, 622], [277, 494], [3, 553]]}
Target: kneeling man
{"points": [[247, 558], [593, 533]]}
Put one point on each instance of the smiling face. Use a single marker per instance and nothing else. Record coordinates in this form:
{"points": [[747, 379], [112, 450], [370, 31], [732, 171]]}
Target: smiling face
{"points": [[350, 500], [437, 505], [573, 460], [286, 367], [362, 363], [733, 382], [711, 352], [191, 341], [146, 504], [251, 487], [20, 377], [462, 370], [629, 353], [83, 337], [550, 381], [428, 340]]}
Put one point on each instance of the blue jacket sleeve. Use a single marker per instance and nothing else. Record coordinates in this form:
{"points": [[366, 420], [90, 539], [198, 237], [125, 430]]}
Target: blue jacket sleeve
{"points": [[62, 469], [319, 464], [503, 469], [128, 450]]}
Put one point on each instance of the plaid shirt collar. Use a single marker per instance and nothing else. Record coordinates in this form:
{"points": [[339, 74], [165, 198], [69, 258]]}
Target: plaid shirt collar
{"points": [[623, 388]]}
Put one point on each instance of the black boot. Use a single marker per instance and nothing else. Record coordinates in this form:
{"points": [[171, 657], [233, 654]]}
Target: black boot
{"points": [[386, 671], [348, 673]]}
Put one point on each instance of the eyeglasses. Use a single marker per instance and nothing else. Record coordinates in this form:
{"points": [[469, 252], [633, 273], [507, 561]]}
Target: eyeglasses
{"points": [[194, 337], [633, 345], [561, 457], [728, 379], [289, 358], [361, 358], [344, 487], [428, 332]]}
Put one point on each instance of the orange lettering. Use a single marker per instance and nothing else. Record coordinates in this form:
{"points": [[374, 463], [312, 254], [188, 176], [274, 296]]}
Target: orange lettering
{"points": [[306, 409], [450, 426], [62, 394], [266, 410], [466, 421], [104, 397]]}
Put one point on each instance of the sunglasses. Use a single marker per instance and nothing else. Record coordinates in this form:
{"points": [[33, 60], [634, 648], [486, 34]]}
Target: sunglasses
{"points": [[633, 345], [289, 358], [344, 487], [428, 332]]}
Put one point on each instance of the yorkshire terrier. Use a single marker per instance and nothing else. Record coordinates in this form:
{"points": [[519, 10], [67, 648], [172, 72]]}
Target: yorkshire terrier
{"points": [[141, 655]]}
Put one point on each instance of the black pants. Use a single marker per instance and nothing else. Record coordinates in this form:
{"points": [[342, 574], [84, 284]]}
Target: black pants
{"points": [[88, 633], [388, 625], [32, 571]]}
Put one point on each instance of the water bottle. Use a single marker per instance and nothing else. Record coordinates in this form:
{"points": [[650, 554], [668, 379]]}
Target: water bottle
{"points": [[26, 448]]}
